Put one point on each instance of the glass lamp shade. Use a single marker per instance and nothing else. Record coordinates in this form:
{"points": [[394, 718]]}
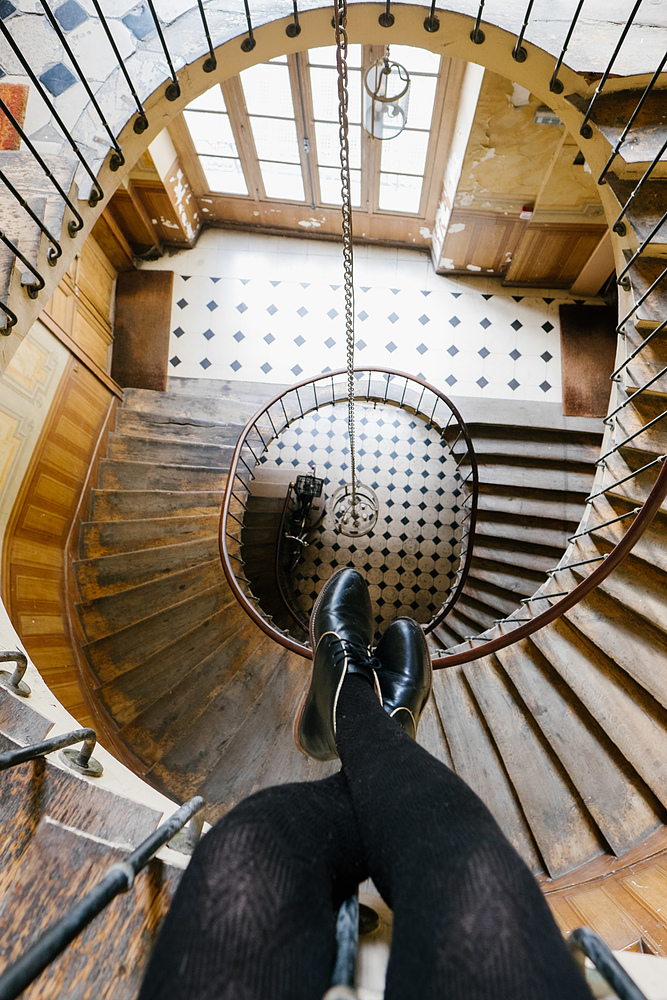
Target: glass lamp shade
{"points": [[386, 99]]}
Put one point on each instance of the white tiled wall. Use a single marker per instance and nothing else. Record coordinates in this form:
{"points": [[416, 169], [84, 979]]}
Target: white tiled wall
{"points": [[271, 309]]}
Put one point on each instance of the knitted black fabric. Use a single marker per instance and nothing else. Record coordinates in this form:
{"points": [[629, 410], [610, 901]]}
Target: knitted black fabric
{"points": [[254, 916]]}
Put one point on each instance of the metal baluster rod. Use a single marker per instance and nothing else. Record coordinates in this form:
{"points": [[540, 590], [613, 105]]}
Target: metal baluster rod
{"points": [[118, 879], [477, 36], [585, 943], [173, 90], [12, 320], [519, 53], [619, 226], [33, 289], [14, 681], [75, 224], [210, 63], [555, 85], [55, 250], [618, 482], [141, 121], [586, 131], [97, 193], [81, 761]]}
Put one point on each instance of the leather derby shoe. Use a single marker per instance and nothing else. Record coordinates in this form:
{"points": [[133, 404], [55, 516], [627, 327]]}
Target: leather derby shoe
{"points": [[405, 673], [341, 633]]}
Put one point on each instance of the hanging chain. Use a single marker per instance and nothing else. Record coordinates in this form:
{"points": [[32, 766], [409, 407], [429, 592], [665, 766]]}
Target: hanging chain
{"points": [[340, 24]]}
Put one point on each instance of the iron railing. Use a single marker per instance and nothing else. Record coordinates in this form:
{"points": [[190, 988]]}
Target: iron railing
{"points": [[376, 385], [118, 879], [486, 11], [81, 761]]}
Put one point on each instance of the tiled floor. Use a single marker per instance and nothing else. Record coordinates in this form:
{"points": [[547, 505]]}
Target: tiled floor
{"points": [[271, 309], [410, 558]]}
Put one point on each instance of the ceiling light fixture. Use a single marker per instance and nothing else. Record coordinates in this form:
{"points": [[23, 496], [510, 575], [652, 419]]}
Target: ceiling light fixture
{"points": [[386, 98]]}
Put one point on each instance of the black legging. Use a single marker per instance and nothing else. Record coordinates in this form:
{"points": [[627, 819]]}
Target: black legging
{"points": [[254, 916]]}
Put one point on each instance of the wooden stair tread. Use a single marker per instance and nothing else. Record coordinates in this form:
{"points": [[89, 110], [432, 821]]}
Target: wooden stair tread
{"points": [[132, 691], [476, 760], [622, 807], [622, 708], [561, 825], [111, 574], [123, 474], [161, 451], [105, 615], [126, 649], [38, 788], [115, 947], [175, 428], [103, 538], [19, 721], [115, 505]]}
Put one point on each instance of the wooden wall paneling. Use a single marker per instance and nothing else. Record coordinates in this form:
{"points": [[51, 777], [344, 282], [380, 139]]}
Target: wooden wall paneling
{"points": [[111, 240], [143, 319], [133, 220], [481, 241], [552, 255], [33, 570]]}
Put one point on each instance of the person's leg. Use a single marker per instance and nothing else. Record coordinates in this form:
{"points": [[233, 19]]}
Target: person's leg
{"points": [[470, 922], [254, 915]]}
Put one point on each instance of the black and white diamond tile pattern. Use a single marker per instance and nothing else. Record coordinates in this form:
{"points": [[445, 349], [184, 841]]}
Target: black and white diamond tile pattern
{"points": [[410, 557], [270, 330]]}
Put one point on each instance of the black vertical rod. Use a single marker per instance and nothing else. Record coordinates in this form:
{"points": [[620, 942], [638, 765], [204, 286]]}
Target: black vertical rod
{"points": [[249, 43], [12, 320], [294, 29], [97, 194], [32, 290], [555, 85], [432, 23], [54, 251], [141, 122], [586, 131], [210, 63], [173, 91], [519, 54], [477, 36], [117, 159]]}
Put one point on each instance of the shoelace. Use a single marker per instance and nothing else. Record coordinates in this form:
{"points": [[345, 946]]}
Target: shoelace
{"points": [[358, 654]]}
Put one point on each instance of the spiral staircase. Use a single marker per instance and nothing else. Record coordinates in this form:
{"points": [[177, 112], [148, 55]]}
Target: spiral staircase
{"points": [[562, 733]]}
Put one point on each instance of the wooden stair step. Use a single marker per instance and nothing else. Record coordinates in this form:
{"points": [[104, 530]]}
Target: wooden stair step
{"points": [[476, 760], [639, 588], [643, 273], [635, 645], [529, 503], [627, 714], [105, 615], [522, 583], [444, 638], [111, 574], [550, 480], [651, 547], [494, 596], [235, 390], [132, 691], [105, 538], [179, 404], [541, 447], [110, 955], [637, 415], [176, 711], [562, 827], [623, 808], [39, 788], [116, 505], [482, 614], [144, 449], [520, 557], [646, 210], [126, 649], [199, 752], [635, 490], [262, 752], [264, 537], [612, 112], [19, 720], [127, 475], [523, 531], [174, 428], [460, 624]]}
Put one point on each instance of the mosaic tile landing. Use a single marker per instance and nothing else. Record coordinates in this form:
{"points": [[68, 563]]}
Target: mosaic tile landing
{"points": [[410, 557]]}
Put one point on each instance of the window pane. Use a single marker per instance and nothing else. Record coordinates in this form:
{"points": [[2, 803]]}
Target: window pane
{"points": [[223, 175], [326, 56], [211, 133], [415, 60], [422, 95], [328, 144], [282, 180], [212, 100], [325, 95], [330, 186], [275, 139], [267, 90], [406, 154], [399, 193]]}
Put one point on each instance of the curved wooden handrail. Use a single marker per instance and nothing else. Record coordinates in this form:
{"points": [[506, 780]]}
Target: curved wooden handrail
{"points": [[279, 636], [611, 561]]}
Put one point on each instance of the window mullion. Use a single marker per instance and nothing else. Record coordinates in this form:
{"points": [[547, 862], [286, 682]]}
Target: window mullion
{"points": [[239, 120], [302, 100]]}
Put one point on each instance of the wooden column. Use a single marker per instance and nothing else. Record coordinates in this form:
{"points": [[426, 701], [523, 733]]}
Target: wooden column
{"points": [[141, 330]]}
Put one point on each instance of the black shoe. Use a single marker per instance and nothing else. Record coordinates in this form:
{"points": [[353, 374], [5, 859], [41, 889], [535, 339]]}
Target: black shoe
{"points": [[405, 673], [341, 633]]}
